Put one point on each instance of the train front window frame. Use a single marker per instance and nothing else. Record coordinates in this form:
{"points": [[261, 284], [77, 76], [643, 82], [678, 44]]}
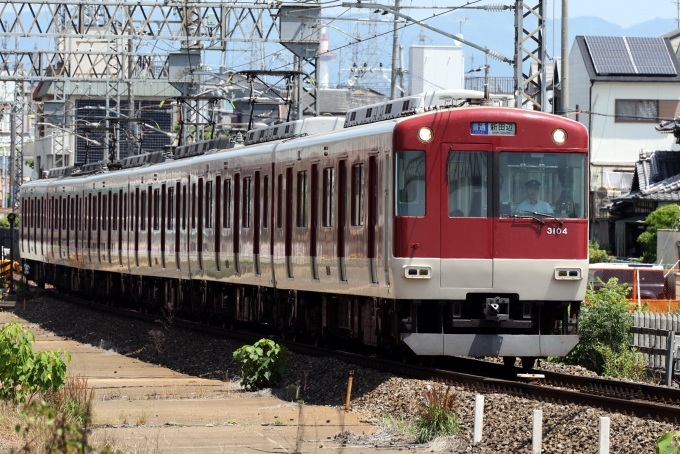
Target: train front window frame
{"points": [[558, 177], [410, 183]]}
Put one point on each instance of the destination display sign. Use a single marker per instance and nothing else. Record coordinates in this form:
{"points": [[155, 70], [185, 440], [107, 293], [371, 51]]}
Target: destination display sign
{"points": [[506, 129]]}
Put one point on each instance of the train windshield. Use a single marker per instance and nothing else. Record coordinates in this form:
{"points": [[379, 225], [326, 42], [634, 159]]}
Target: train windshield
{"points": [[548, 183]]}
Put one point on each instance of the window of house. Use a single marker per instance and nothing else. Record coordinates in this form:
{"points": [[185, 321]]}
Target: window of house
{"points": [[630, 110]]}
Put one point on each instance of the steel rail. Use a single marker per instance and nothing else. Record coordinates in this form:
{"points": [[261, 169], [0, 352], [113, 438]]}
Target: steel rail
{"points": [[636, 399]]}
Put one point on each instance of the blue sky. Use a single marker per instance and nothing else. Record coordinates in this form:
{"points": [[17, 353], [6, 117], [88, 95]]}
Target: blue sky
{"points": [[621, 12]]}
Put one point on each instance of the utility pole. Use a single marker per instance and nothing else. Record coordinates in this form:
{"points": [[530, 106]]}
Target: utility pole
{"points": [[395, 52], [564, 80]]}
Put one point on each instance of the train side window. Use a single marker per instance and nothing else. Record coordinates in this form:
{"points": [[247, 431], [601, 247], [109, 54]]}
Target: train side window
{"points": [[358, 194], [193, 206], [226, 198], [95, 213], [104, 211], [265, 205], [142, 213], [63, 213], [279, 201], [78, 213], [246, 212], [39, 217], [184, 207], [218, 207], [114, 216], [171, 208], [208, 205], [328, 189], [302, 199], [410, 183], [156, 209], [72, 211]]}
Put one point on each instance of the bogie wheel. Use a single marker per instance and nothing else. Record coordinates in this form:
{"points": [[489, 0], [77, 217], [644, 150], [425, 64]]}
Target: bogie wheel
{"points": [[528, 362], [509, 361]]}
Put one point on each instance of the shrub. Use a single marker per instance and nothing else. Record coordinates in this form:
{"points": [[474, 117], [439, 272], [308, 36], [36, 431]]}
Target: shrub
{"points": [[604, 331], [262, 364], [668, 443], [596, 254], [436, 418], [665, 217], [24, 373]]}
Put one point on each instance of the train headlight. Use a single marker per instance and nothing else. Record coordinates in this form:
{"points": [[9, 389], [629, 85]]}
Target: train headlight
{"points": [[559, 136], [425, 134], [418, 272], [568, 274]]}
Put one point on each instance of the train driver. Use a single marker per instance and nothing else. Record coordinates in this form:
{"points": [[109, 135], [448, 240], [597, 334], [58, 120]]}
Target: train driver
{"points": [[532, 202]]}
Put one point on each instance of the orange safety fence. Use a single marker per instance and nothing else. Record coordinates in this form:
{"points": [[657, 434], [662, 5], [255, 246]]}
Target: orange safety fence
{"points": [[652, 288]]}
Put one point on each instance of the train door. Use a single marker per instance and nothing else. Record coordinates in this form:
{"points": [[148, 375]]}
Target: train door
{"points": [[63, 228], [217, 229], [193, 237], [163, 219], [70, 230], [136, 197], [466, 244], [289, 222], [106, 226], [257, 225], [177, 213], [226, 209], [76, 227], [117, 226], [342, 218], [314, 221], [373, 194], [149, 222], [237, 222]]}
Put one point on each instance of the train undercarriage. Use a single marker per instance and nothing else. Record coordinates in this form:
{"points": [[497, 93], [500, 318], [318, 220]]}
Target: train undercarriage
{"points": [[398, 326]]}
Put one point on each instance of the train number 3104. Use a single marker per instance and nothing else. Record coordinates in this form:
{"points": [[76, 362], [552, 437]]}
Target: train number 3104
{"points": [[557, 231]]}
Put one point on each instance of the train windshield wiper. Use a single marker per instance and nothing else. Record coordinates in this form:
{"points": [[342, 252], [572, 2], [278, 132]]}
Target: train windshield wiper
{"points": [[520, 216], [536, 213]]}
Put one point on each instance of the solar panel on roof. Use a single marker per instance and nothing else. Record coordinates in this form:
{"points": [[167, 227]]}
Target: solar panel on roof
{"points": [[610, 55], [651, 56], [622, 55]]}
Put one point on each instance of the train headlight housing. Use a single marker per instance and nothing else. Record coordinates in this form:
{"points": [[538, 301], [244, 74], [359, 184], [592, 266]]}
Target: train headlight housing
{"points": [[418, 272], [568, 274], [425, 134], [559, 136]]}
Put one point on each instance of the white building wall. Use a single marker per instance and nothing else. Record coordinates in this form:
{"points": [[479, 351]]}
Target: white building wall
{"points": [[579, 86], [613, 142], [435, 68]]}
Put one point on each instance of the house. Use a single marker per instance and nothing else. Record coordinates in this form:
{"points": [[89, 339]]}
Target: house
{"points": [[656, 182], [620, 89]]}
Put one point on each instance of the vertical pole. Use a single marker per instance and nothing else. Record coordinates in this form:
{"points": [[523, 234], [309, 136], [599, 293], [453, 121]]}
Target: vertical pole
{"points": [[670, 358], [12, 151], [519, 34], [537, 432], [564, 80], [479, 418], [395, 53], [603, 446], [349, 389]]}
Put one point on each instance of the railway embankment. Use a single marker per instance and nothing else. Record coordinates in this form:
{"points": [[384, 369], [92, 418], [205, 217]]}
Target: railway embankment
{"points": [[161, 387]]}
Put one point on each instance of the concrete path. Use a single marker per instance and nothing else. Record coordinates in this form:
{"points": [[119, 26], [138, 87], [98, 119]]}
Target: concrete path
{"points": [[145, 408]]}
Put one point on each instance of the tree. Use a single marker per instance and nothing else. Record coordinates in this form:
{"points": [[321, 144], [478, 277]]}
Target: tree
{"points": [[665, 217], [596, 254]]}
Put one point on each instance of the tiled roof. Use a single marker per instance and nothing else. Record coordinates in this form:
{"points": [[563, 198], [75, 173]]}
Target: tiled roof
{"points": [[657, 177]]}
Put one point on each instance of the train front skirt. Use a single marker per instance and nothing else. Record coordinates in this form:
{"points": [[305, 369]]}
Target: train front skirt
{"points": [[428, 344]]}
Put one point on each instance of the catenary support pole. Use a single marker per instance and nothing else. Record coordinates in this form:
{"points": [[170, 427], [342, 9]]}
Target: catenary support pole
{"points": [[395, 53], [564, 77]]}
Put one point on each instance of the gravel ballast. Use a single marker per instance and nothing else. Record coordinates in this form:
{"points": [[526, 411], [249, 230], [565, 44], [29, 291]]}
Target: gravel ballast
{"points": [[323, 381]]}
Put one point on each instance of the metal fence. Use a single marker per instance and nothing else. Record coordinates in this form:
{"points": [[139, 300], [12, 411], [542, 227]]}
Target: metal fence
{"points": [[650, 336]]}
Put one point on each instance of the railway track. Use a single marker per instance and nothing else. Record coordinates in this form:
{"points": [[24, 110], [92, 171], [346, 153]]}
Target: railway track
{"points": [[638, 399]]}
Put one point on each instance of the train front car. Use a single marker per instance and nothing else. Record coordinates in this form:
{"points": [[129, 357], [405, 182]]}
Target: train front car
{"points": [[490, 249]]}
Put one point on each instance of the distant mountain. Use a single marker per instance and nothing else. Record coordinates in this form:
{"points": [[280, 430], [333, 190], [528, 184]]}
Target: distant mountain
{"points": [[497, 32]]}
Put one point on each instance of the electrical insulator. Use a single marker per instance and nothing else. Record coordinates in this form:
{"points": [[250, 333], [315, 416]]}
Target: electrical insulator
{"points": [[495, 8]]}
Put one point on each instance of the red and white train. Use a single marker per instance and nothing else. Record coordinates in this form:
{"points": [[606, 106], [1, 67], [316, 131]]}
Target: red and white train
{"points": [[406, 227]]}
